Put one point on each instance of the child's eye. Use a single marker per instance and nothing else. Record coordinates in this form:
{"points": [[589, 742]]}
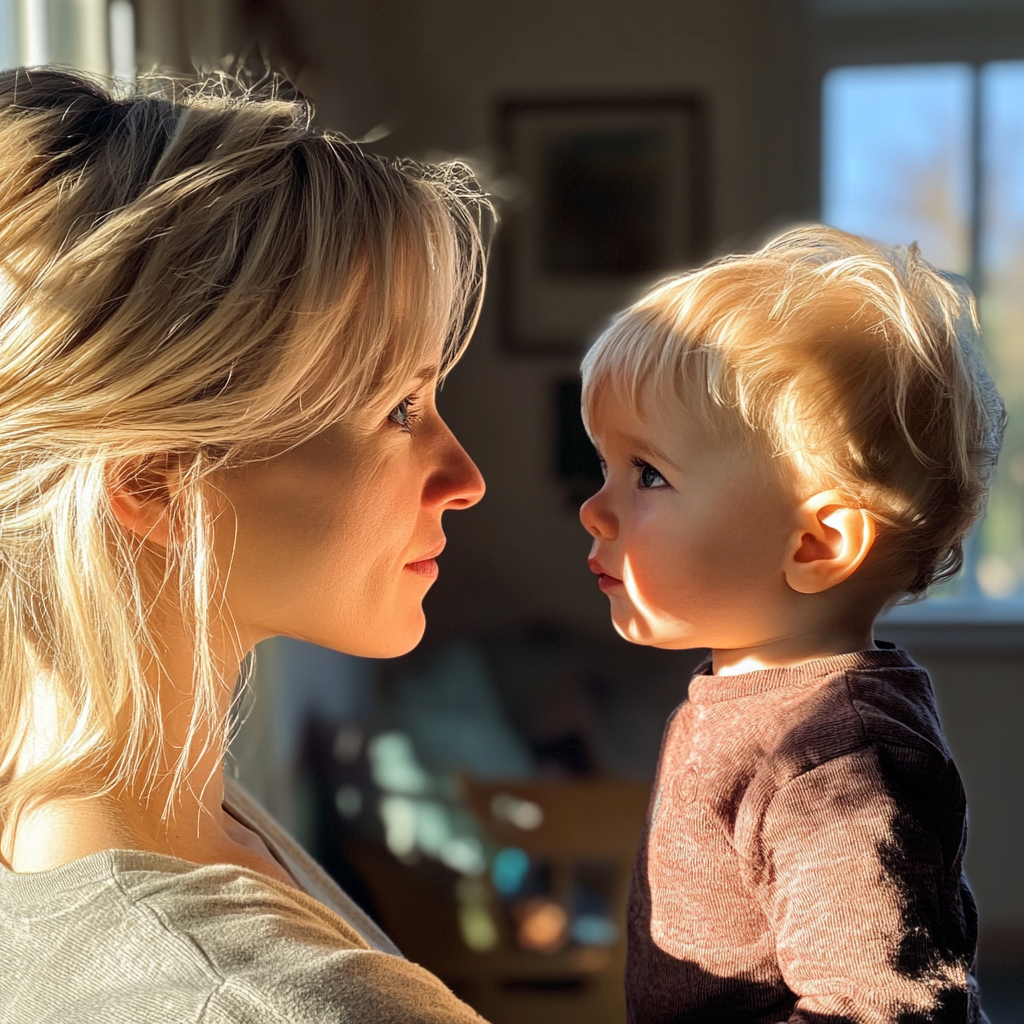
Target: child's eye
{"points": [[403, 414], [649, 476]]}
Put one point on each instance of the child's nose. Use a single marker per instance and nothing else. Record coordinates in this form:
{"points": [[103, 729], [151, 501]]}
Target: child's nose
{"points": [[598, 518]]}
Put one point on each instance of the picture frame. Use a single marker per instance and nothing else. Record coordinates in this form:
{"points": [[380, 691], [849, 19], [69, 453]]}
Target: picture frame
{"points": [[608, 195]]}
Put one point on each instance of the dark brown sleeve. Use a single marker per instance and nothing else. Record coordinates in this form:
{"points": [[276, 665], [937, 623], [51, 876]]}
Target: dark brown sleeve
{"points": [[865, 899]]}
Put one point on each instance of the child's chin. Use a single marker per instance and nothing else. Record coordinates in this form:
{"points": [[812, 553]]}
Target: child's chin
{"points": [[634, 630], [638, 630]]}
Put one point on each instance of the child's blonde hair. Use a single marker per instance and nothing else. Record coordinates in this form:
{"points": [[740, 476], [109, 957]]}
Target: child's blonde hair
{"points": [[856, 363], [197, 275]]}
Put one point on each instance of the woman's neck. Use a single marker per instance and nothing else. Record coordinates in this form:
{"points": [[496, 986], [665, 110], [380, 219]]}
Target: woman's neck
{"points": [[192, 826], [62, 831]]}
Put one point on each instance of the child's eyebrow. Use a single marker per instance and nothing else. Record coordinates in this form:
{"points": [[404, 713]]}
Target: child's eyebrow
{"points": [[649, 451]]}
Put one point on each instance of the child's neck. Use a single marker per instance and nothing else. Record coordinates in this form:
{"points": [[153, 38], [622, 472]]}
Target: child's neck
{"points": [[794, 649]]}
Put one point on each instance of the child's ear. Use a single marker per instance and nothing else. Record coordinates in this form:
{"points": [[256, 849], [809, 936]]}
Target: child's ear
{"points": [[830, 542], [140, 497]]}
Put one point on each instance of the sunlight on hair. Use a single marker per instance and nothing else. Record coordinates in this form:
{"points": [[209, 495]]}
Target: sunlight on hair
{"points": [[856, 366], [188, 273]]}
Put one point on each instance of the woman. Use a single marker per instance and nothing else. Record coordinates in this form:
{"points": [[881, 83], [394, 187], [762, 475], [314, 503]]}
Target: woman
{"points": [[221, 331]]}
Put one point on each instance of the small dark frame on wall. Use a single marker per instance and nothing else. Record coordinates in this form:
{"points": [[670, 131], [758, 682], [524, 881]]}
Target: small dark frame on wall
{"points": [[576, 463], [610, 194]]}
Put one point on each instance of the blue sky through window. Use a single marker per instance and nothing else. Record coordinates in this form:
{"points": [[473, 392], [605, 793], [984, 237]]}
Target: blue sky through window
{"points": [[897, 166], [896, 157]]}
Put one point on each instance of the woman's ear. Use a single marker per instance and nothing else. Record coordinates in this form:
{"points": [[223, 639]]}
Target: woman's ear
{"points": [[831, 541], [140, 497]]}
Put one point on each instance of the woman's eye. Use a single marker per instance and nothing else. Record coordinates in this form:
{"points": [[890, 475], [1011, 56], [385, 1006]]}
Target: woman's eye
{"points": [[650, 477]]}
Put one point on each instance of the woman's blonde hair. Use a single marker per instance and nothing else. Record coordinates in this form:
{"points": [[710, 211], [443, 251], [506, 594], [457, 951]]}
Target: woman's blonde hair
{"points": [[858, 364], [196, 275]]}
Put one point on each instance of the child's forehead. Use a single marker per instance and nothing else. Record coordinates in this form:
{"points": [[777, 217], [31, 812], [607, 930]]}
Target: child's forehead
{"points": [[655, 425], [651, 409]]}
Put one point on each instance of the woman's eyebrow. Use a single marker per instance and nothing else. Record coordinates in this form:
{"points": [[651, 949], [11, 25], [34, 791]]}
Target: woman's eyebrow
{"points": [[427, 373]]}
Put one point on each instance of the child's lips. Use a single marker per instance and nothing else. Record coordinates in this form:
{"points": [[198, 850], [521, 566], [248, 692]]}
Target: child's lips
{"points": [[605, 580]]}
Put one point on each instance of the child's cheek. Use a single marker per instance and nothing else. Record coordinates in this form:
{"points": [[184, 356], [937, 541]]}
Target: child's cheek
{"points": [[664, 568], [656, 603]]}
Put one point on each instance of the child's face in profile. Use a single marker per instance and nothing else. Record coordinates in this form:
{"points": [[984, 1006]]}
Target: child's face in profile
{"points": [[690, 533]]}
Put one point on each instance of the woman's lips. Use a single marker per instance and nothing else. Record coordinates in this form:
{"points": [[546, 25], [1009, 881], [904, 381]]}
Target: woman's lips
{"points": [[424, 567], [427, 566]]}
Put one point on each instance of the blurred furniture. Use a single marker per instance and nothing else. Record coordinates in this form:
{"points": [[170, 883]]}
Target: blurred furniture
{"points": [[577, 829]]}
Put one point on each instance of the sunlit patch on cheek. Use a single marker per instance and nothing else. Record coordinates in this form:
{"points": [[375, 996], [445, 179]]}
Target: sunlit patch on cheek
{"points": [[632, 584], [644, 622]]}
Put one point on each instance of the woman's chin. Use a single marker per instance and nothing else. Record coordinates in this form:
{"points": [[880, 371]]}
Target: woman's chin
{"points": [[404, 645], [391, 639]]}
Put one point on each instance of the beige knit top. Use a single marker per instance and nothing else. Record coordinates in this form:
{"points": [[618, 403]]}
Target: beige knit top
{"points": [[125, 937], [802, 854]]}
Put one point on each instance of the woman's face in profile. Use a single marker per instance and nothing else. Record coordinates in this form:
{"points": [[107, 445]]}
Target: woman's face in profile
{"points": [[334, 541]]}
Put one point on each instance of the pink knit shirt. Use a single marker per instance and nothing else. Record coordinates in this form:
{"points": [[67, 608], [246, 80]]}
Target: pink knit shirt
{"points": [[802, 854]]}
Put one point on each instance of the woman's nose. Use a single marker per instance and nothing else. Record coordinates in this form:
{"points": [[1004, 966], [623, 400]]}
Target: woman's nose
{"points": [[457, 483], [597, 517]]}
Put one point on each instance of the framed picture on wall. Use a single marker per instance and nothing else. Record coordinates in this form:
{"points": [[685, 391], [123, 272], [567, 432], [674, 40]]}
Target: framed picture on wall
{"points": [[610, 194]]}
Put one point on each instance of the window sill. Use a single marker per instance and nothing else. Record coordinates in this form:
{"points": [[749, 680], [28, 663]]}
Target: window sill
{"points": [[992, 626]]}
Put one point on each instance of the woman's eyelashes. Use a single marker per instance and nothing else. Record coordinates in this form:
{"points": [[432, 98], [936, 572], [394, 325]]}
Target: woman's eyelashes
{"points": [[404, 414], [648, 476]]}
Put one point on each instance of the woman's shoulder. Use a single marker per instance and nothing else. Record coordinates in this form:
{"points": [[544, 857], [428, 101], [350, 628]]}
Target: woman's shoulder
{"points": [[309, 875], [227, 905], [356, 986], [277, 953], [136, 936]]}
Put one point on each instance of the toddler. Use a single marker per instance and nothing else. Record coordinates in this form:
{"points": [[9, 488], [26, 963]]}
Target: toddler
{"points": [[792, 441]]}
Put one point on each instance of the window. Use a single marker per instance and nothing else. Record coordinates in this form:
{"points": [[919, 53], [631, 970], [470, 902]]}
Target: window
{"points": [[93, 35], [934, 153]]}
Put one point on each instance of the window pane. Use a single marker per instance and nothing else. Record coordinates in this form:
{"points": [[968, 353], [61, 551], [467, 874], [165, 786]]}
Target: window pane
{"points": [[1001, 565], [896, 157], [8, 35], [70, 32]]}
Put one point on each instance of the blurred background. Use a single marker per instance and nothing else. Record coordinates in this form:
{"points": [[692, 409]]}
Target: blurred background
{"points": [[483, 795]]}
